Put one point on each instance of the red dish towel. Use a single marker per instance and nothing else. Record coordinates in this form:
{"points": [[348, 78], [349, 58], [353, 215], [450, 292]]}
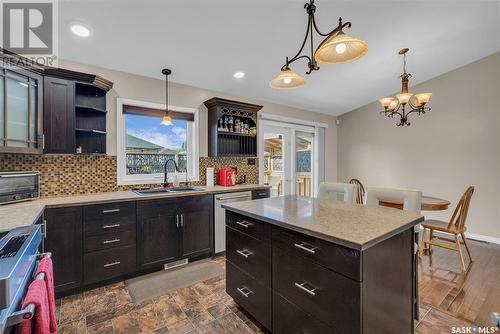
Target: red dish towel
{"points": [[40, 323], [45, 267]]}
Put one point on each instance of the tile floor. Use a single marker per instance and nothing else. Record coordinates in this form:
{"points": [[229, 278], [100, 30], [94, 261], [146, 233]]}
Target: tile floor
{"points": [[206, 308]]}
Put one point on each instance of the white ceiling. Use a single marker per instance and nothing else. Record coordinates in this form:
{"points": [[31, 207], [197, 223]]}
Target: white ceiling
{"points": [[205, 42]]}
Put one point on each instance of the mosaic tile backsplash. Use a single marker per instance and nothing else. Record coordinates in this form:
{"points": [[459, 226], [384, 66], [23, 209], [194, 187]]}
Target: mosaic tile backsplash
{"points": [[64, 175]]}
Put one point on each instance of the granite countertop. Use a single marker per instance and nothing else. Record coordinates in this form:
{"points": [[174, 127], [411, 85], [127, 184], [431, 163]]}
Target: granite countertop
{"points": [[26, 213], [352, 225]]}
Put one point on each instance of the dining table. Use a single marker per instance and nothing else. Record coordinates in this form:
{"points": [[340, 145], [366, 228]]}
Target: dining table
{"points": [[428, 204]]}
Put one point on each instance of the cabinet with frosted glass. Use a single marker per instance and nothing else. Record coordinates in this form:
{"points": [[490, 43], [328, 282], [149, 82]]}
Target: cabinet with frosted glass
{"points": [[20, 110]]}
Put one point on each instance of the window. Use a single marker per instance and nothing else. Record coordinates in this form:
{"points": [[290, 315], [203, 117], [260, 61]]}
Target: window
{"points": [[144, 145]]}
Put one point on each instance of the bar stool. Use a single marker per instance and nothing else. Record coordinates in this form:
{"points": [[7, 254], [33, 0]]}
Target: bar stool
{"points": [[329, 190]]}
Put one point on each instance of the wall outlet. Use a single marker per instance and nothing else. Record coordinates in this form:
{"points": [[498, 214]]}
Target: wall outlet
{"points": [[251, 162]]}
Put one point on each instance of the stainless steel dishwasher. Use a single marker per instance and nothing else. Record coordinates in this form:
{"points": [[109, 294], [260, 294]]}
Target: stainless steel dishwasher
{"points": [[220, 215]]}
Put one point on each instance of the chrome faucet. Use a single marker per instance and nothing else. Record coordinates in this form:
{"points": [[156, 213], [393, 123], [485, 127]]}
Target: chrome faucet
{"points": [[165, 176]]}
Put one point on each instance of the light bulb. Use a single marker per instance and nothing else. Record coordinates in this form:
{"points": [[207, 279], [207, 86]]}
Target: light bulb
{"points": [[287, 80], [340, 48]]}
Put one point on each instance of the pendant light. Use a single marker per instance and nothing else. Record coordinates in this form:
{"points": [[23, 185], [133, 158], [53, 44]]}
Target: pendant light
{"points": [[336, 48], [405, 103], [166, 120]]}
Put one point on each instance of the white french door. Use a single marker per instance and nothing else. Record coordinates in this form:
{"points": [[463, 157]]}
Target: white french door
{"points": [[288, 158]]}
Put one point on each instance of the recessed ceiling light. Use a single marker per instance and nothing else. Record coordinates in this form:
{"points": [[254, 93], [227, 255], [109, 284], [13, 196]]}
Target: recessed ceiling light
{"points": [[239, 75], [80, 30]]}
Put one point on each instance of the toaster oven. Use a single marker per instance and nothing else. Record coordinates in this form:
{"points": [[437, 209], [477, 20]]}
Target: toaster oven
{"points": [[19, 186]]}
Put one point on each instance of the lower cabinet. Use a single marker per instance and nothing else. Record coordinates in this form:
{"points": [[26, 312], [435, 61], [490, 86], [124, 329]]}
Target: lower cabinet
{"points": [[95, 243], [63, 238], [172, 229]]}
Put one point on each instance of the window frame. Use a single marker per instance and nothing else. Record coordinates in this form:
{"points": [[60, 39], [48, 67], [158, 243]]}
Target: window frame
{"points": [[157, 178]]}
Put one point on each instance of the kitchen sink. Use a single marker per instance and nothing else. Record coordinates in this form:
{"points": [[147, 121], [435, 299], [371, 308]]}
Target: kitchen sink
{"points": [[144, 192]]}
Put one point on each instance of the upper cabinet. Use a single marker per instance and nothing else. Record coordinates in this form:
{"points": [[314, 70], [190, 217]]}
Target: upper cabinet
{"points": [[50, 110], [20, 110], [232, 128], [75, 112]]}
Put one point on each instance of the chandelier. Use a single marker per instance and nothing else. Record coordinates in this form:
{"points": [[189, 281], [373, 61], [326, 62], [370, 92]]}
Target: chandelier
{"points": [[336, 48], [405, 103]]}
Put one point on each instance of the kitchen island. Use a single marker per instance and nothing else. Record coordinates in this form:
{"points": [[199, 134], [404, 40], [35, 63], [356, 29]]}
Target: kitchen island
{"points": [[305, 265]]}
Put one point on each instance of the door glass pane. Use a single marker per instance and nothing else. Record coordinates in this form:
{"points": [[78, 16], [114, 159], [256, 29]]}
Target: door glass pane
{"points": [[303, 163], [2, 112], [274, 162], [33, 110], [17, 112]]}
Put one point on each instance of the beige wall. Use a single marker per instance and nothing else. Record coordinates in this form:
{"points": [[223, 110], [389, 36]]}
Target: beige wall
{"points": [[455, 145], [152, 90]]}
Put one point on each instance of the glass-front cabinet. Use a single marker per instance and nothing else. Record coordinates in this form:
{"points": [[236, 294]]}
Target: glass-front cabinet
{"points": [[20, 110]]}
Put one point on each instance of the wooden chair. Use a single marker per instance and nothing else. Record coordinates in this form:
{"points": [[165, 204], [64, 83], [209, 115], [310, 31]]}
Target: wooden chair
{"points": [[360, 190], [455, 227]]}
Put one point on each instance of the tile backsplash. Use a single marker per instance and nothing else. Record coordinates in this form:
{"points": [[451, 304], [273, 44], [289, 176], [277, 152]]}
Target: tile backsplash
{"points": [[63, 175]]}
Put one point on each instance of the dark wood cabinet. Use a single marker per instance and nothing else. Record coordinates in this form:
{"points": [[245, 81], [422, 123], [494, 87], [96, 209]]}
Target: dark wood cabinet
{"points": [[58, 116], [171, 229], [74, 113], [64, 235], [197, 226], [225, 119], [297, 283], [158, 229]]}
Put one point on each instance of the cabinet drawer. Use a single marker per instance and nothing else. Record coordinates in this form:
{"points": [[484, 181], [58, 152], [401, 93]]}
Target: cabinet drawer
{"points": [[254, 297], [249, 226], [251, 255], [113, 225], [109, 263], [109, 240], [289, 319], [109, 211], [328, 296], [261, 193], [343, 260]]}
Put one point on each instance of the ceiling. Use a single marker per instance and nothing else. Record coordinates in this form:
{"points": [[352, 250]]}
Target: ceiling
{"points": [[205, 42]]}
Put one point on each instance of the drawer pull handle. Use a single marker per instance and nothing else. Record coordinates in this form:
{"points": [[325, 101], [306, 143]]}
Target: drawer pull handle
{"points": [[302, 287], [262, 194], [110, 241], [111, 264], [245, 224], [111, 211], [303, 246], [245, 253], [111, 226], [245, 291]]}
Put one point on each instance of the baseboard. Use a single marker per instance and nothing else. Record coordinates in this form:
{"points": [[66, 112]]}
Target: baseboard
{"points": [[480, 237]]}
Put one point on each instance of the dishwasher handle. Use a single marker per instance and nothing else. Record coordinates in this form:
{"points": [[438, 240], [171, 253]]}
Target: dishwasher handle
{"points": [[232, 198]]}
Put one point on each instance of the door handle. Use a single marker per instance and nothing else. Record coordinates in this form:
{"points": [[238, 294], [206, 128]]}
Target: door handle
{"points": [[245, 253], [245, 224], [245, 291], [110, 211], [303, 246], [111, 226], [111, 241], [111, 264], [302, 287], [182, 220], [177, 220]]}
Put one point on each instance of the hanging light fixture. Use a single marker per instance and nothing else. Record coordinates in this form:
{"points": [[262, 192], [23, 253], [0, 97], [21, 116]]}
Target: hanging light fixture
{"points": [[399, 104], [336, 48], [166, 120]]}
